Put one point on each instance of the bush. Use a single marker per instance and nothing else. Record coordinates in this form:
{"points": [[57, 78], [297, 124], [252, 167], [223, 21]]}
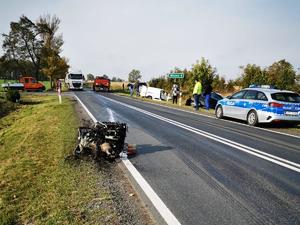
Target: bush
{"points": [[13, 95]]}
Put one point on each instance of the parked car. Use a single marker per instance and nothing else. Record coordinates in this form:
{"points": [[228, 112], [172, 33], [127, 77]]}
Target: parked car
{"points": [[214, 98], [153, 93], [261, 105]]}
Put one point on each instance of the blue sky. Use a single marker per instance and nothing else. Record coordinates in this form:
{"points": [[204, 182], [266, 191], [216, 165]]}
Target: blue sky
{"points": [[113, 37]]}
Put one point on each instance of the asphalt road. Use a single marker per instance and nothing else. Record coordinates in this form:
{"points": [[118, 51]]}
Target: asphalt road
{"points": [[209, 171]]}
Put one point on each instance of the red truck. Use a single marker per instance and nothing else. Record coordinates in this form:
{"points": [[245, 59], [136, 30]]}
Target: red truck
{"points": [[101, 83], [25, 83], [30, 84]]}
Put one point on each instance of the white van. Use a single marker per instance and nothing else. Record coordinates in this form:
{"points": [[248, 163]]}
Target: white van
{"points": [[153, 93], [74, 81]]}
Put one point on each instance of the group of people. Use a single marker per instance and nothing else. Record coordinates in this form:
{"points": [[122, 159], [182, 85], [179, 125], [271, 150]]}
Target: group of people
{"points": [[199, 90], [131, 88]]}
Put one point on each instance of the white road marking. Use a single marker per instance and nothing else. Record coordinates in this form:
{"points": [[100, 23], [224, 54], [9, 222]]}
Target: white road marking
{"points": [[271, 158], [228, 121], [164, 211], [85, 108], [111, 115], [160, 206]]}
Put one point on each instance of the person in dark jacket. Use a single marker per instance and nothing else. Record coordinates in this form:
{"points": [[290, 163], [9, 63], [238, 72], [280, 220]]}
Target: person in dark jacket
{"points": [[188, 102], [207, 93]]}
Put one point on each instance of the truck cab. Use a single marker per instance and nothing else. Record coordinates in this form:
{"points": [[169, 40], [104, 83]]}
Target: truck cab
{"points": [[101, 83], [74, 81], [30, 84]]}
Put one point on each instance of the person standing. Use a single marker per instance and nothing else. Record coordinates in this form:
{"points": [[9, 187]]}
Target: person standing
{"points": [[207, 93], [137, 84], [175, 93], [130, 86], [197, 92]]}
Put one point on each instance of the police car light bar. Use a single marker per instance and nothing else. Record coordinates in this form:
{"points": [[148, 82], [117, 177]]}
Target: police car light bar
{"points": [[266, 86]]}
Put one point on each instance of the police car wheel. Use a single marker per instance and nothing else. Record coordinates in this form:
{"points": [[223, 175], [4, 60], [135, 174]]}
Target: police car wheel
{"points": [[219, 112], [252, 119]]}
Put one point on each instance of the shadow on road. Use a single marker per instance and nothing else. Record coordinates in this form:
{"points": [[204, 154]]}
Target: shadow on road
{"points": [[146, 149]]}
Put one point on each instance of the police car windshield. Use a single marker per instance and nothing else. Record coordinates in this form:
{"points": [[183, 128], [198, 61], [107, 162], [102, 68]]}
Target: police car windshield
{"points": [[286, 97]]}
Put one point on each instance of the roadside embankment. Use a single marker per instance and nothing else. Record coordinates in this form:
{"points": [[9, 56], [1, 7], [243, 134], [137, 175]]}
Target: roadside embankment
{"points": [[39, 186]]}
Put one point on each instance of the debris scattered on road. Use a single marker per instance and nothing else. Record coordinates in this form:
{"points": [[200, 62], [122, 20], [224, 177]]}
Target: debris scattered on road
{"points": [[102, 140], [131, 149]]}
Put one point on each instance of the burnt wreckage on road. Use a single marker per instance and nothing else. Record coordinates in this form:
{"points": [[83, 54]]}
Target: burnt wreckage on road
{"points": [[103, 140]]}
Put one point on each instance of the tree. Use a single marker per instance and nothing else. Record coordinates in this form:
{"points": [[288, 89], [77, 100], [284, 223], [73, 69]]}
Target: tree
{"points": [[90, 76], [54, 66], [281, 74], [230, 86], [117, 79], [24, 43], [219, 83], [202, 71], [134, 76], [57, 68], [252, 74]]}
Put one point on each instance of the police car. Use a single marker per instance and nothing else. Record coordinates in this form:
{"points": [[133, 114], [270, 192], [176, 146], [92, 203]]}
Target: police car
{"points": [[261, 105]]}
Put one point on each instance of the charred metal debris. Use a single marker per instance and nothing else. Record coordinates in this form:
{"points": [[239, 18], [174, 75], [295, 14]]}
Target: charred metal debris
{"points": [[104, 140]]}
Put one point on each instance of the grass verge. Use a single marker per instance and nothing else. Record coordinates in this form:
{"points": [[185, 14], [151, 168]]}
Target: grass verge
{"points": [[37, 185]]}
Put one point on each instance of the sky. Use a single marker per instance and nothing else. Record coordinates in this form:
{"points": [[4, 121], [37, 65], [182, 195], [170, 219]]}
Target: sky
{"points": [[115, 36]]}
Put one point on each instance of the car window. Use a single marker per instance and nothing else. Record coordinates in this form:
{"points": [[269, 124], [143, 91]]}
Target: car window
{"points": [[26, 80], [238, 95], [250, 95], [286, 97], [216, 96], [261, 96]]}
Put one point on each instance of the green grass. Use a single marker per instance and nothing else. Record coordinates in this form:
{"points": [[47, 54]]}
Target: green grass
{"points": [[37, 185]]}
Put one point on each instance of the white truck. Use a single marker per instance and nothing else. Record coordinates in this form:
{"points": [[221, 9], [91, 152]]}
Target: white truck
{"points": [[153, 93], [74, 81]]}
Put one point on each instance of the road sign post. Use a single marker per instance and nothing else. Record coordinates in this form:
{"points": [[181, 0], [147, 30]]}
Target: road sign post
{"points": [[176, 75], [58, 87]]}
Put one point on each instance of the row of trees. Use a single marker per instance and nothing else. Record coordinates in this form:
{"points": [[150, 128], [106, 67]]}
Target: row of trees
{"points": [[280, 74], [34, 49]]}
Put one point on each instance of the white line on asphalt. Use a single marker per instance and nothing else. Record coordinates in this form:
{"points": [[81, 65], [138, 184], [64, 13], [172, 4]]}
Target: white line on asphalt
{"points": [[88, 112], [228, 121], [164, 211], [111, 115], [277, 160], [160, 206]]}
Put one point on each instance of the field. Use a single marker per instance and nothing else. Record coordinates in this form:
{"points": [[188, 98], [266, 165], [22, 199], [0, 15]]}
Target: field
{"points": [[37, 185]]}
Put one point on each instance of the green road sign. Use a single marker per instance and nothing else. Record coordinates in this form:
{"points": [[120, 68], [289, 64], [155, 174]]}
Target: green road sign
{"points": [[176, 75]]}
